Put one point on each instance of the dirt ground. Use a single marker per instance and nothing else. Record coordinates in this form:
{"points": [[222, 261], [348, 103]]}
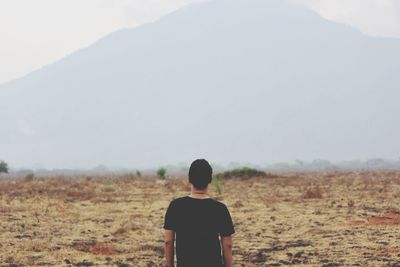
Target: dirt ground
{"points": [[305, 219]]}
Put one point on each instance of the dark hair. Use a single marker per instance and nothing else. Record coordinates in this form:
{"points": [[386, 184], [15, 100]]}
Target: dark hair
{"points": [[200, 173]]}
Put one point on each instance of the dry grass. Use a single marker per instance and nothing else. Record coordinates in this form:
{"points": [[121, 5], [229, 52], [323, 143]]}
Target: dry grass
{"points": [[313, 192], [305, 219]]}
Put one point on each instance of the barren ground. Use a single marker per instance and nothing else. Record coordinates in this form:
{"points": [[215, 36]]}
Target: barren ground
{"points": [[312, 219]]}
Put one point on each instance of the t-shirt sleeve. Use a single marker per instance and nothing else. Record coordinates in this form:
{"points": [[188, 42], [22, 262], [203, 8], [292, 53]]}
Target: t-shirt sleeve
{"points": [[226, 225], [170, 217]]}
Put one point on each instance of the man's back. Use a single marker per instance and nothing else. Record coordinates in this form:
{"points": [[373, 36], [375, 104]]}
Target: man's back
{"points": [[198, 223]]}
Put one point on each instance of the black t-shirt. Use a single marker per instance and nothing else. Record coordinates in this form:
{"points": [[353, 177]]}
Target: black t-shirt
{"points": [[198, 223]]}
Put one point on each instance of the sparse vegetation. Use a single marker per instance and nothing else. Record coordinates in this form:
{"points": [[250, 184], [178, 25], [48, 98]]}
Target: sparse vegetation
{"points": [[313, 192], [29, 177], [162, 174], [216, 182], [245, 172], [106, 221], [351, 205], [109, 189], [130, 176]]}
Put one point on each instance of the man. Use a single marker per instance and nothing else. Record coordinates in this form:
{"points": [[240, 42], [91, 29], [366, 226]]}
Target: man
{"points": [[199, 224]]}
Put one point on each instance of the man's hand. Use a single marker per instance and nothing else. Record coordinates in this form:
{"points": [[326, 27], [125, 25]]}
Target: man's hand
{"points": [[227, 250], [169, 251]]}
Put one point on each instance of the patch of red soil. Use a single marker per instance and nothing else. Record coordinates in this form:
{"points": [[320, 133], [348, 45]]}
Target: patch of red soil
{"points": [[102, 249], [357, 222], [389, 218], [387, 251]]}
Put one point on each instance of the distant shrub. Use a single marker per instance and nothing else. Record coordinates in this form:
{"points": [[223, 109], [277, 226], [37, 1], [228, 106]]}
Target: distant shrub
{"points": [[3, 167], [107, 181], [130, 176], [138, 173], [244, 172], [109, 189], [313, 193], [162, 174], [350, 205], [216, 182], [29, 177]]}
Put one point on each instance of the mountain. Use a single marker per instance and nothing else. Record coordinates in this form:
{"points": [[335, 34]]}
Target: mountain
{"points": [[230, 80]]}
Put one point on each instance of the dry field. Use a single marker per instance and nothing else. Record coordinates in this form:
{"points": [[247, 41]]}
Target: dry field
{"points": [[311, 219]]}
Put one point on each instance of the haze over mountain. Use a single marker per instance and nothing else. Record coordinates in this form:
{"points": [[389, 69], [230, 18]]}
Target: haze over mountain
{"points": [[230, 80]]}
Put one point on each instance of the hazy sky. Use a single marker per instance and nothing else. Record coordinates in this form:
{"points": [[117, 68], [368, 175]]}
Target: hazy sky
{"points": [[36, 33], [373, 17]]}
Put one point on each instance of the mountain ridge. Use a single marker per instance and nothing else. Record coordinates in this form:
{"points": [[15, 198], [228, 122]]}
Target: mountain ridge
{"points": [[184, 87]]}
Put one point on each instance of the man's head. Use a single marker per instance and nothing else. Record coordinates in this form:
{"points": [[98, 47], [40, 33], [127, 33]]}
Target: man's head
{"points": [[200, 173]]}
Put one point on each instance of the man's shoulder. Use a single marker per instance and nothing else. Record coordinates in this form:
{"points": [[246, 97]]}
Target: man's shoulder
{"points": [[220, 204], [187, 198], [184, 199], [178, 200]]}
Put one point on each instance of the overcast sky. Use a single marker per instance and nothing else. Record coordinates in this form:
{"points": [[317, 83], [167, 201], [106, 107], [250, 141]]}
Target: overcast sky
{"points": [[39, 32]]}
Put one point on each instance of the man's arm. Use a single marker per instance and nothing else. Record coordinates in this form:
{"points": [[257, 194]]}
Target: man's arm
{"points": [[227, 250], [169, 247]]}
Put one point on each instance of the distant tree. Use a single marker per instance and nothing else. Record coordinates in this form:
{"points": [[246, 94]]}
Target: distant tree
{"points": [[161, 173], [138, 173], [3, 167]]}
